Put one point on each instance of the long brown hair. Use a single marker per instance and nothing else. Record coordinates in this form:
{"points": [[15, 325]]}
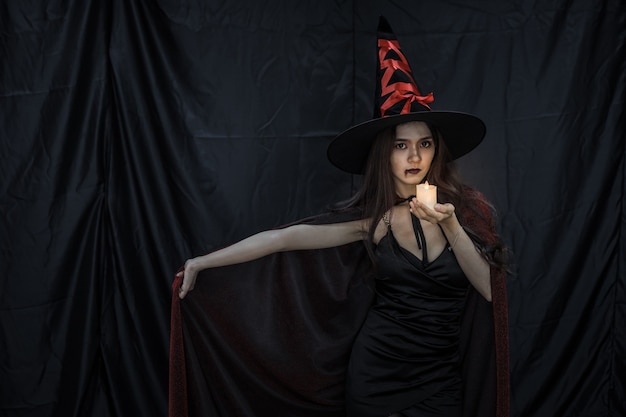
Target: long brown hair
{"points": [[377, 193]]}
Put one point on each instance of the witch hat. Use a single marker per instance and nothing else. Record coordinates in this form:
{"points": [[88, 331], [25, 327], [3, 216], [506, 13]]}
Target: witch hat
{"points": [[398, 100]]}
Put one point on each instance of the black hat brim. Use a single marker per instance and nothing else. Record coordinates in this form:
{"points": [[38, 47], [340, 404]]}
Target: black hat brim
{"points": [[461, 132]]}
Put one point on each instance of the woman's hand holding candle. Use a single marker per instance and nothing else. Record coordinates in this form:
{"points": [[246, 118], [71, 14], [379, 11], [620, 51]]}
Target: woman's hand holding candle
{"points": [[425, 205]]}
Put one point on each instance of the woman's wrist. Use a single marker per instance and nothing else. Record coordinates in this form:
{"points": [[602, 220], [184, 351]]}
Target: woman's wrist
{"points": [[194, 264], [452, 229], [450, 225]]}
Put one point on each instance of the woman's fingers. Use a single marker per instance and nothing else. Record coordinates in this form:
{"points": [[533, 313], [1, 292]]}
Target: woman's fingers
{"points": [[182, 291], [189, 279], [186, 286], [433, 215]]}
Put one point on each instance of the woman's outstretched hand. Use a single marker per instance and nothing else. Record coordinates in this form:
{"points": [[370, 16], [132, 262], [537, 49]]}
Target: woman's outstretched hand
{"points": [[189, 274], [440, 213]]}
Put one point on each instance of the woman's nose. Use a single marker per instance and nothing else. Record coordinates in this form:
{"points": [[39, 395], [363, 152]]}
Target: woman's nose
{"points": [[414, 154]]}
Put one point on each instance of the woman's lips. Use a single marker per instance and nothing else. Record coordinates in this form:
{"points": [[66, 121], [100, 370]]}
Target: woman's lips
{"points": [[413, 171]]}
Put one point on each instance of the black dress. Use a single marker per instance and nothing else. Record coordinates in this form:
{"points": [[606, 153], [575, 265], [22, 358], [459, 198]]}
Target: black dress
{"points": [[405, 358]]}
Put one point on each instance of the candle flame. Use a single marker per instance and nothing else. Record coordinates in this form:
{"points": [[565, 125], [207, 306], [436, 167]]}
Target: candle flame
{"points": [[426, 184]]}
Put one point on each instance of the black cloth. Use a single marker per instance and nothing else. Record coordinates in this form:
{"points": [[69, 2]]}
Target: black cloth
{"points": [[274, 336], [407, 352]]}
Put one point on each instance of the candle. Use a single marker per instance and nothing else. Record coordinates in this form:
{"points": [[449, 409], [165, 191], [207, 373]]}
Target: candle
{"points": [[426, 194]]}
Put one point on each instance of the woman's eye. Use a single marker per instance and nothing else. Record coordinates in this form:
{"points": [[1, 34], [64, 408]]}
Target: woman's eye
{"points": [[427, 144], [400, 145]]}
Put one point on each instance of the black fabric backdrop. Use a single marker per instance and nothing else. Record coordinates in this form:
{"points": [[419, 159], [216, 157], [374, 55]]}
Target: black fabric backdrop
{"points": [[135, 134]]}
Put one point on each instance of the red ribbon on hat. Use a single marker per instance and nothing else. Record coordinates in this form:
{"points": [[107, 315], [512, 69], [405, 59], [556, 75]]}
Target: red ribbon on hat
{"points": [[398, 91]]}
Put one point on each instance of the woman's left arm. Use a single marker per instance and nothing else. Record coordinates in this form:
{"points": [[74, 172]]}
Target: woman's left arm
{"points": [[471, 261]]}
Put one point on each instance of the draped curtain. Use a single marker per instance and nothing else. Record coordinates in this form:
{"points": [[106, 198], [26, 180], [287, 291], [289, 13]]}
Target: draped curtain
{"points": [[136, 134]]}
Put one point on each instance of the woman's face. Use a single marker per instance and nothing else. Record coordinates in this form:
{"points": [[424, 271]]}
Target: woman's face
{"points": [[413, 152]]}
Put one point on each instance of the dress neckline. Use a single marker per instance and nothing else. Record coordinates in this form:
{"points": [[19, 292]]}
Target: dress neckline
{"points": [[418, 231]]}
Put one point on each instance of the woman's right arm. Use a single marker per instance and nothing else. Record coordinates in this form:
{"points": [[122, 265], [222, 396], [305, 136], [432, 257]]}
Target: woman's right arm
{"points": [[296, 237]]}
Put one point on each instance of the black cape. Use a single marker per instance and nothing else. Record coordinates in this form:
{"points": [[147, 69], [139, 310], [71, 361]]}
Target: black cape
{"points": [[273, 336]]}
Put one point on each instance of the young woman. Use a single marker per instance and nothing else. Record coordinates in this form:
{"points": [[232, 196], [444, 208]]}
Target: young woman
{"points": [[425, 258], [409, 357]]}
